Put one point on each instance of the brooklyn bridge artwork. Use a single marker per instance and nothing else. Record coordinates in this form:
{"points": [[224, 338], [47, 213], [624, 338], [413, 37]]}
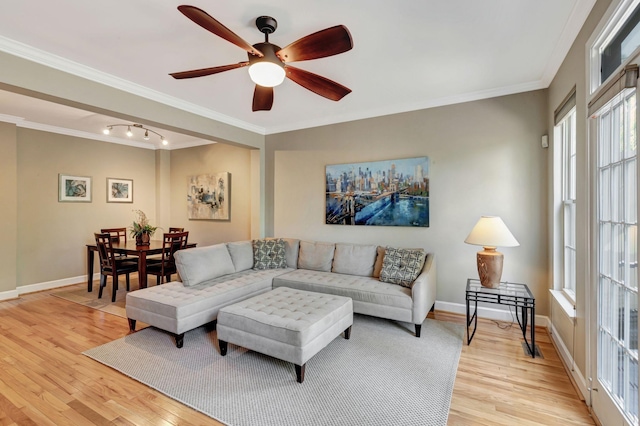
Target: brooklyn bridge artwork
{"points": [[382, 193]]}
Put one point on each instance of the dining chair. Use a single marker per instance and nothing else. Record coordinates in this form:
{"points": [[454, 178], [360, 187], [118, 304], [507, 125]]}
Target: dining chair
{"points": [[110, 265], [171, 243], [173, 230], [118, 235]]}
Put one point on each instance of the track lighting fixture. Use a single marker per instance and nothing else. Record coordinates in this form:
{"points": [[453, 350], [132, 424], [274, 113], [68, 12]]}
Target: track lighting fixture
{"points": [[129, 133]]}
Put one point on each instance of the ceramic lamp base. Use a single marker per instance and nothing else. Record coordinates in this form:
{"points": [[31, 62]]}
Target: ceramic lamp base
{"points": [[490, 267]]}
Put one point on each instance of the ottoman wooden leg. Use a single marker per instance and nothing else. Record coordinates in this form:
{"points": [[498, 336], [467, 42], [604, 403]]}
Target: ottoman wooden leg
{"points": [[179, 340], [223, 347], [132, 324], [418, 329], [347, 333], [300, 372]]}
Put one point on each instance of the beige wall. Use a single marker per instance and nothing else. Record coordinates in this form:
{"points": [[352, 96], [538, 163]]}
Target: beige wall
{"points": [[52, 234], [486, 159], [573, 73], [212, 159], [9, 210]]}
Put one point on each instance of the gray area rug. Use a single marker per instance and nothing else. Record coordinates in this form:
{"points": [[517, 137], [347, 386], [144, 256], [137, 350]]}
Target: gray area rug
{"points": [[383, 375]]}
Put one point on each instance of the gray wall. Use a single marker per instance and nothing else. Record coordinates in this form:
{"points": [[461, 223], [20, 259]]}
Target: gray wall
{"points": [[9, 203], [212, 159], [52, 234], [486, 159], [573, 73]]}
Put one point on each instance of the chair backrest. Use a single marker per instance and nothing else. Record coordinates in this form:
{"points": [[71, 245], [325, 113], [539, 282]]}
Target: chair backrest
{"points": [[173, 230], [117, 234], [171, 243], [105, 250]]}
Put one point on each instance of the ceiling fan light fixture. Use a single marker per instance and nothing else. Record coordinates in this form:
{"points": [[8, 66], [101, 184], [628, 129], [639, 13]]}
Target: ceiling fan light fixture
{"points": [[267, 74]]}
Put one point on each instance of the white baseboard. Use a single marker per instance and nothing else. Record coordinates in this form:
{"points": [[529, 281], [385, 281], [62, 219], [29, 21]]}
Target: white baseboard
{"points": [[567, 359], [488, 313], [48, 285]]}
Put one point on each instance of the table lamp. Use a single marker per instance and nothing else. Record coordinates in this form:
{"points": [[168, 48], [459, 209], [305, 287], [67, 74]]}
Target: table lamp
{"points": [[490, 232]]}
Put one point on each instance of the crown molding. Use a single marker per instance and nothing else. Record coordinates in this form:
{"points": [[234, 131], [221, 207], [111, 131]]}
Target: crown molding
{"points": [[33, 54]]}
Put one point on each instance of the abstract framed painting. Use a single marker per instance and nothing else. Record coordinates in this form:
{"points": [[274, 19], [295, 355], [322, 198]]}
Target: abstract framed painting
{"points": [[378, 193], [119, 190], [208, 196], [75, 189]]}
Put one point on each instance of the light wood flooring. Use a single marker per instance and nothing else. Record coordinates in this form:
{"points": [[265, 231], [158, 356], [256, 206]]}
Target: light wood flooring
{"points": [[45, 379]]}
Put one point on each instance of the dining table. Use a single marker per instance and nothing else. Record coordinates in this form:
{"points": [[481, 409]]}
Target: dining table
{"points": [[128, 248]]}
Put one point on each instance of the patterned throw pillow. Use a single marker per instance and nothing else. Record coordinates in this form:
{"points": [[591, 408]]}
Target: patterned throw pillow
{"points": [[269, 254], [401, 266]]}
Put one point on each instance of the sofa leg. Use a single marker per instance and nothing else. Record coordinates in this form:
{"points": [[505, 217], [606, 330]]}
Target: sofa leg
{"points": [[223, 347], [347, 333], [179, 340], [300, 372], [418, 329], [433, 308], [132, 324]]}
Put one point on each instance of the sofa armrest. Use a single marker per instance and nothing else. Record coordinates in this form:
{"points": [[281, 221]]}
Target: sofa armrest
{"points": [[423, 291]]}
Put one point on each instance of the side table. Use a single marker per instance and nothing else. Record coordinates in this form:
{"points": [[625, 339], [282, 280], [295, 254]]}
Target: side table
{"points": [[507, 294]]}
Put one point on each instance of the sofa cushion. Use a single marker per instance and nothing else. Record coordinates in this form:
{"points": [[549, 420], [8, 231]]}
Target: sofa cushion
{"points": [[241, 253], [354, 259], [316, 256], [199, 264], [362, 289], [401, 266], [291, 250], [269, 254]]}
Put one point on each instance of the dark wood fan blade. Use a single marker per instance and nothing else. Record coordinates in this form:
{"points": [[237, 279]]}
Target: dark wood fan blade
{"points": [[317, 84], [262, 98], [207, 71], [209, 23], [328, 42]]}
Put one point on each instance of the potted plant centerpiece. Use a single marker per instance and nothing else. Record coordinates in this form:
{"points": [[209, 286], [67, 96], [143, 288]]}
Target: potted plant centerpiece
{"points": [[141, 229]]}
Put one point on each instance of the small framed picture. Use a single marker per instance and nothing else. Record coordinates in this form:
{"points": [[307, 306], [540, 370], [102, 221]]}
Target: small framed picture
{"points": [[75, 189], [119, 190]]}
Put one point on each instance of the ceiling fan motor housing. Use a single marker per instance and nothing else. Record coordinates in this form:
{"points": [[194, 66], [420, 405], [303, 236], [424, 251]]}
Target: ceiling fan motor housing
{"points": [[269, 51]]}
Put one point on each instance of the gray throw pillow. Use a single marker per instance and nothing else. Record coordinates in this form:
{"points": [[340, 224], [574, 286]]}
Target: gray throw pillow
{"points": [[402, 266], [269, 254]]}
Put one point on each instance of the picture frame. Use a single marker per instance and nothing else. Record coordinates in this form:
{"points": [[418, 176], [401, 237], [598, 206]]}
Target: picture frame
{"points": [[119, 190], [208, 196], [74, 189], [378, 193]]}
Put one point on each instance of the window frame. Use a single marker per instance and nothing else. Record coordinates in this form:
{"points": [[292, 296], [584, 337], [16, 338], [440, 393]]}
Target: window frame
{"points": [[566, 146]]}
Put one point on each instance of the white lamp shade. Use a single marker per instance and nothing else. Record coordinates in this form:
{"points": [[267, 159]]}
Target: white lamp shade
{"points": [[266, 74], [490, 231]]}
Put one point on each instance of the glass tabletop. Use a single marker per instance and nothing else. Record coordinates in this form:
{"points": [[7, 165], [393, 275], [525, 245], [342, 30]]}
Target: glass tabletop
{"points": [[505, 289]]}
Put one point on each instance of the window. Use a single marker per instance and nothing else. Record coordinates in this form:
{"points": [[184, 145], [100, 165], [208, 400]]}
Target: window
{"points": [[617, 285], [566, 133], [619, 37]]}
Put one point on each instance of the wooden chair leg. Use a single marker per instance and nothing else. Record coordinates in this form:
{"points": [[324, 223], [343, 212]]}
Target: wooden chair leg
{"points": [[128, 285], [114, 288], [103, 284], [157, 279]]}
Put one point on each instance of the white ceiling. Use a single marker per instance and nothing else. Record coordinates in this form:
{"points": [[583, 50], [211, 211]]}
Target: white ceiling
{"points": [[407, 55]]}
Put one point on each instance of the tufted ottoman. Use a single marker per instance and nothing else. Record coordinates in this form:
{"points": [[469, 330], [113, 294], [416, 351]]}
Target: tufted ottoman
{"points": [[291, 325]]}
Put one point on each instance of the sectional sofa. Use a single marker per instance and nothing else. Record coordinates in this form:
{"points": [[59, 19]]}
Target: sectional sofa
{"points": [[387, 282]]}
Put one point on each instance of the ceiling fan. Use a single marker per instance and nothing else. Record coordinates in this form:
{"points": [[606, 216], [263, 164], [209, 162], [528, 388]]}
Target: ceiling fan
{"points": [[269, 64]]}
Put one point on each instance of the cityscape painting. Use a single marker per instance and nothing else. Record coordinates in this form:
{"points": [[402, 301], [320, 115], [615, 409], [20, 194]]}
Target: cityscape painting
{"points": [[382, 193]]}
